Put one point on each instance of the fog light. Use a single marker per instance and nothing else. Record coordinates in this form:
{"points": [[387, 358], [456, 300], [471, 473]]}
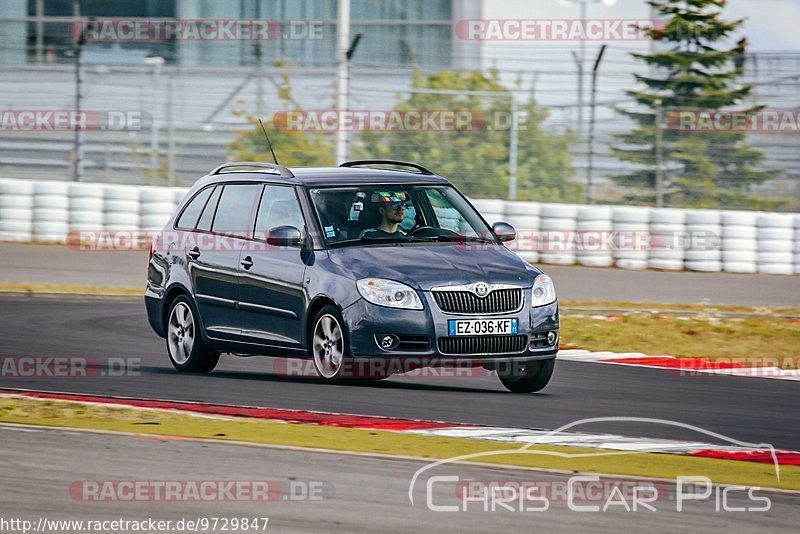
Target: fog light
{"points": [[552, 336], [389, 342]]}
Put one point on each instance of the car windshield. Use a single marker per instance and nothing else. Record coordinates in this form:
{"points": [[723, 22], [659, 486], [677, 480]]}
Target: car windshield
{"points": [[392, 213]]}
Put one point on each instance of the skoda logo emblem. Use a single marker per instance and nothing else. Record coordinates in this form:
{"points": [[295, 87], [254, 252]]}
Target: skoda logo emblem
{"points": [[481, 289]]}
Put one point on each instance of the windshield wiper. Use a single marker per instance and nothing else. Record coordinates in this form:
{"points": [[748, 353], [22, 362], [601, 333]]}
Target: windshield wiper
{"points": [[368, 239]]}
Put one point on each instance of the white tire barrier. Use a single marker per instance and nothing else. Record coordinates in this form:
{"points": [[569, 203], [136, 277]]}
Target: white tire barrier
{"points": [[775, 220], [739, 244], [153, 222], [15, 202], [739, 256], [775, 243], [153, 195], [592, 229], [797, 244], [490, 209], [562, 258], [703, 217], [739, 218], [121, 192], [776, 268], [739, 232], [558, 211], [776, 234], [86, 190], [121, 206], [58, 202], [156, 208], [526, 242], [525, 209], [558, 225], [50, 211], [667, 239], [86, 204], [118, 220], [664, 264], [704, 247], [51, 187], [748, 267], [632, 237], [557, 230], [16, 187], [667, 216], [85, 207]]}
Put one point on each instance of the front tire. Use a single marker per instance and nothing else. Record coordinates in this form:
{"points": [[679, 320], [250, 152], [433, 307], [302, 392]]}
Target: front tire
{"points": [[185, 347], [530, 377], [329, 346]]}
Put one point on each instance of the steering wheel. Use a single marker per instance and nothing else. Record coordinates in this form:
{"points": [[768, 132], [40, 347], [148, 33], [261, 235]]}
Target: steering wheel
{"points": [[417, 229]]}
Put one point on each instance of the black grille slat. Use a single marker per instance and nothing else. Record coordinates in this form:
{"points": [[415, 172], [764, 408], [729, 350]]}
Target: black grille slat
{"points": [[467, 345], [497, 301]]}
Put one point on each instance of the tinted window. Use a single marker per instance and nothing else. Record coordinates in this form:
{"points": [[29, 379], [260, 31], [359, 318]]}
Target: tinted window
{"points": [[278, 207], [188, 218], [208, 213], [234, 209]]}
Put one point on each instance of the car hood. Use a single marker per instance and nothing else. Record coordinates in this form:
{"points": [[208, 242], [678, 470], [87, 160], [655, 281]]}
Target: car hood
{"points": [[426, 266]]}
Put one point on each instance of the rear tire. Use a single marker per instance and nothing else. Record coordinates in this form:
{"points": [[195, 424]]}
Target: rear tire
{"points": [[531, 377], [185, 347]]}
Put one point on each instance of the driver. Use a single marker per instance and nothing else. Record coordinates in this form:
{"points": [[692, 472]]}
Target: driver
{"points": [[392, 209]]}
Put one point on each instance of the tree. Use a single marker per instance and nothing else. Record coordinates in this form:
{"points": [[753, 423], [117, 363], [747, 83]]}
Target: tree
{"points": [[694, 72], [293, 147], [475, 157]]}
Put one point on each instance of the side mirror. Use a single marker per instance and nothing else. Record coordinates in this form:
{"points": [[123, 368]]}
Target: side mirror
{"points": [[504, 231], [284, 236]]}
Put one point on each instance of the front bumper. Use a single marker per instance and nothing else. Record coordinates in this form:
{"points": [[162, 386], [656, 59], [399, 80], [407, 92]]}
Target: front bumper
{"points": [[367, 323]]}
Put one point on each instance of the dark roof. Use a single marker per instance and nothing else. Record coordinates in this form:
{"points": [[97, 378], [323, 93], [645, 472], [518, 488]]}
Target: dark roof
{"points": [[321, 176]]}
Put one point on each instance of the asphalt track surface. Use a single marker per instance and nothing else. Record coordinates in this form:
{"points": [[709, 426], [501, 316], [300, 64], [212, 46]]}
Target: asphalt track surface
{"points": [[747, 409], [41, 264], [351, 493]]}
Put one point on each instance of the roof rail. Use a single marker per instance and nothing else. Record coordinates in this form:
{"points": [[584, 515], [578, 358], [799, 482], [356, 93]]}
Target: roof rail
{"points": [[365, 162], [283, 171]]}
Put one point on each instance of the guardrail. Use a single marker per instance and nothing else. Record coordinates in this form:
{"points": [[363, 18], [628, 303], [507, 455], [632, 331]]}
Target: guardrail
{"points": [[560, 234]]}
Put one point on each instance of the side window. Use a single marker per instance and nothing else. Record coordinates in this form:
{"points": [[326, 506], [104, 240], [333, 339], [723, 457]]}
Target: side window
{"points": [[235, 208], [208, 213], [278, 207], [449, 217], [191, 213]]}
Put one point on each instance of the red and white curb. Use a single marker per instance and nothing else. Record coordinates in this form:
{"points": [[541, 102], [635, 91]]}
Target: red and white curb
{"points": [[438, 428], [683, 366]]}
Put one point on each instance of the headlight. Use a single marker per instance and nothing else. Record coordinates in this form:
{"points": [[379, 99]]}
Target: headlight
{"points": [[544, 292], [389, 293]]}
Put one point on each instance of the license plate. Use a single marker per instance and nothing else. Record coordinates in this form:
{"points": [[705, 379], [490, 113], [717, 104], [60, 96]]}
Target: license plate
{"points": [[479, 327]]}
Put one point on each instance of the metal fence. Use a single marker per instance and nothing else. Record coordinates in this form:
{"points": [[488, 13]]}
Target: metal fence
{"points": [[189, 115]]}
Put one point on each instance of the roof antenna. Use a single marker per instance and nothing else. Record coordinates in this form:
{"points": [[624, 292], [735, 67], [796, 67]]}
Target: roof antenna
{"points": [[269, 143]]}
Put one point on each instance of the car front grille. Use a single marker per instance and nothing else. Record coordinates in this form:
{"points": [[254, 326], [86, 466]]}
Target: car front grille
{"points": [[497, 301], [467, 345]]}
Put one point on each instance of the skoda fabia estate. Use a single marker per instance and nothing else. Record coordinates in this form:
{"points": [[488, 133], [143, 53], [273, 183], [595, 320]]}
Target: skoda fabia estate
{"points": [[367, 269]]}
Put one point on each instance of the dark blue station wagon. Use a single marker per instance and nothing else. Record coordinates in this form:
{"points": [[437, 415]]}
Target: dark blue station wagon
{"points": [[368, 269]]}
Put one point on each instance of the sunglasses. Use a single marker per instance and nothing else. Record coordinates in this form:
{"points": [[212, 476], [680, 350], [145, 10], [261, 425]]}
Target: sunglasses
{"points": [[398, 205]]}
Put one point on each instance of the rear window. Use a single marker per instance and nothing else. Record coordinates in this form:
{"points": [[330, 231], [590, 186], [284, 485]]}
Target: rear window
{"points": [[188, 219], [235, 209]]}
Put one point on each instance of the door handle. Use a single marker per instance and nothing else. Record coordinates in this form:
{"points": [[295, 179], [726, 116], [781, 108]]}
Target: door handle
{"points": [[194, 253], [247, 262]]}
